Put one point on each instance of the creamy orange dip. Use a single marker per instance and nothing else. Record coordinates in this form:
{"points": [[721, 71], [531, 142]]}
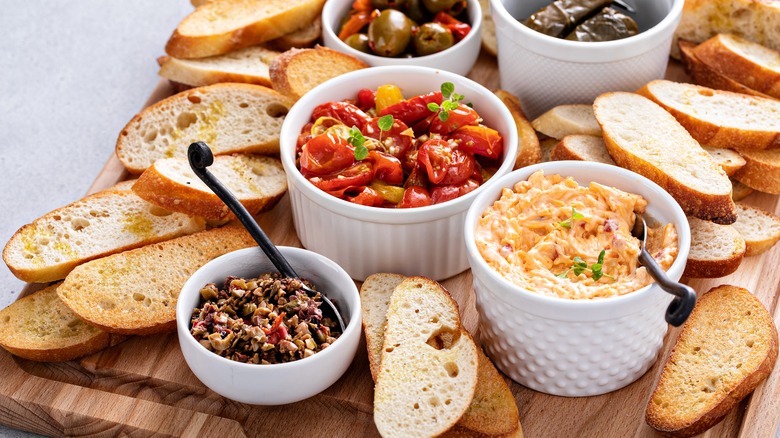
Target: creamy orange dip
{"points": [[534, 232]]}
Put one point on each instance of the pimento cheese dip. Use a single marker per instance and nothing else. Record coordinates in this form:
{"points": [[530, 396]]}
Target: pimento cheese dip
{"points": [[546, 234]]}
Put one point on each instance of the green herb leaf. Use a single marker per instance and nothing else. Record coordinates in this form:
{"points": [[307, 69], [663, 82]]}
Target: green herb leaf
{"points": [[433, 107], [574, 215], [444, 115], [564, 274], [447, 89], [385, 122], [601, 256], [357, 140], [595, 269]]}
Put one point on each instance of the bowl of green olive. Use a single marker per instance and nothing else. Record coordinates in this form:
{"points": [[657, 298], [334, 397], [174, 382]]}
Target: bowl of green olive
{"points": [[442, 34]]}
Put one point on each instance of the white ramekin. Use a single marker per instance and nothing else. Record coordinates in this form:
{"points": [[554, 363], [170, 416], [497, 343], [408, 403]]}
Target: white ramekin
{"points": [[457, 59], [574, 347], [274, 384], [364, 240], [544, 71]]}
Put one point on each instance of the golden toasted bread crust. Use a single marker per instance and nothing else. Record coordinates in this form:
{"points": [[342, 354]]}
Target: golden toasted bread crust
{"points": [[761, 170], [720, 303], [528, 150], [296, 71], [707, 76], [194, 39]]}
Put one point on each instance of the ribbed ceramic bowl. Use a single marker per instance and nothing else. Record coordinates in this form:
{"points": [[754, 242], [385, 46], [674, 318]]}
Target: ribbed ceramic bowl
{"points": [[574, 347], [457, 59], [365, 240], [544, 71], [274, 384]]}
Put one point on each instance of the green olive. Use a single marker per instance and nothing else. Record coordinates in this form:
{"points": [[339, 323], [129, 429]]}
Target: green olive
{"points": [[432, 38], [416, 12], [358, 41], [390, 33], [452, 7], [385, 4]]}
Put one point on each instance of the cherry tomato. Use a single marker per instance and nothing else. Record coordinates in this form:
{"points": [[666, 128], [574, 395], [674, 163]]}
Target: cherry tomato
{"points": [[443, 164], [417, 177], [415, 196], [346, 112], [414, 109], [304, 136], [480, 140], [357, 175], [326, 154], [396, 140], [441, 194], [461, 116], [367, 196], [387, 168], [366, 99]]}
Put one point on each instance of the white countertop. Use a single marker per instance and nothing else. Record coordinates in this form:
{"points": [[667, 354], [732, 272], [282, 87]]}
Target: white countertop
{"points": [[73, 73]]}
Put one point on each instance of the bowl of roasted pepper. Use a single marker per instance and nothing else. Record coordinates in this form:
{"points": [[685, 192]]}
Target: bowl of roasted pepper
{"points": [[382, 164], [443, 34]]}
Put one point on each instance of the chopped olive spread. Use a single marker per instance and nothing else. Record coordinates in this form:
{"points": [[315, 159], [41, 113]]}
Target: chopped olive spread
{"points": [[265, 320]]}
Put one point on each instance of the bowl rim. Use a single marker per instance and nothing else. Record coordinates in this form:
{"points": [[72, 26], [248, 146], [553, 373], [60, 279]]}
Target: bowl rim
{"points": [[183, 319], [584, 52], [389, 215], [558, 167], [330, 14]]}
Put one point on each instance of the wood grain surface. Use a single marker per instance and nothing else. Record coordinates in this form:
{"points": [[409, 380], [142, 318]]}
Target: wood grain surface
{"points": [[143, 386]]}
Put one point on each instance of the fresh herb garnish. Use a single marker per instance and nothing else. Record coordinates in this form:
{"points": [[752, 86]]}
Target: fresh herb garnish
{"points": [[384, 123], [574, 215], [580, 266], [449, 104], [357, 140]]}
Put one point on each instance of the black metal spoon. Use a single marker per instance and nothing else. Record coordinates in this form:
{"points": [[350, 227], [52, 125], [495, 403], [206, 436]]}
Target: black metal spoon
{"points": [[200, 157], [684, 295]]}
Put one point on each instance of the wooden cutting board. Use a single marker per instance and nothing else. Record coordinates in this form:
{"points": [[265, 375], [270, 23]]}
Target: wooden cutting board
{"points": [[143, 386]]}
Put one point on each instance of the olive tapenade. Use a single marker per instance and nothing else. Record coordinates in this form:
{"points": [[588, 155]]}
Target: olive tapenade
{"points": [[264, 320]]}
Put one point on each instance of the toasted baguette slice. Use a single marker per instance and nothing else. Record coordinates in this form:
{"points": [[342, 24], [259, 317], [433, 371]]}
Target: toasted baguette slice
{"points": [[546, 146], [248, 65], [528, 151], [582, 148], [429, 363], [135, 292], [761, 170], [257, 181], [719, 118], [642, 137], [756, 20], [492, 413], [739, 191], [728, 159], [489, 42], [306, 36], [224, 26], [564, 120], [725, 349], [704, 75], [39, 327], [126, 185], [230, 118], [761, 230], [95, 226], [716, 250], [297, 71], [749, 63]]}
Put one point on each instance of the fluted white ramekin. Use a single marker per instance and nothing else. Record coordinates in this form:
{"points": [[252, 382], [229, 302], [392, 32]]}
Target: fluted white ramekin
{"points": [[574, 347], [364, 240]]}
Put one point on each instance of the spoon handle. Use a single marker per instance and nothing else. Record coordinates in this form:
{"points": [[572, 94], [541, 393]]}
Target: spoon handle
{"points": [[200, 157], [685, 297]]}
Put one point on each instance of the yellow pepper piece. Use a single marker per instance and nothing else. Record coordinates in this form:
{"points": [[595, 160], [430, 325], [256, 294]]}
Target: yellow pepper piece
{"points": [[387, 95], [394, 194]]}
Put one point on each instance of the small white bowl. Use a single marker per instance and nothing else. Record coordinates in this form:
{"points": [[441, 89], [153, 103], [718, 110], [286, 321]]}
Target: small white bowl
{"points": [[459, 58], [574, 347], [364, 240], [544, 71], [273, 384]]}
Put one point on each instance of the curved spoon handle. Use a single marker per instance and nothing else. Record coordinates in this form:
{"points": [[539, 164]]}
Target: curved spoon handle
{"points": [[685, 297], [200, 157]]}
